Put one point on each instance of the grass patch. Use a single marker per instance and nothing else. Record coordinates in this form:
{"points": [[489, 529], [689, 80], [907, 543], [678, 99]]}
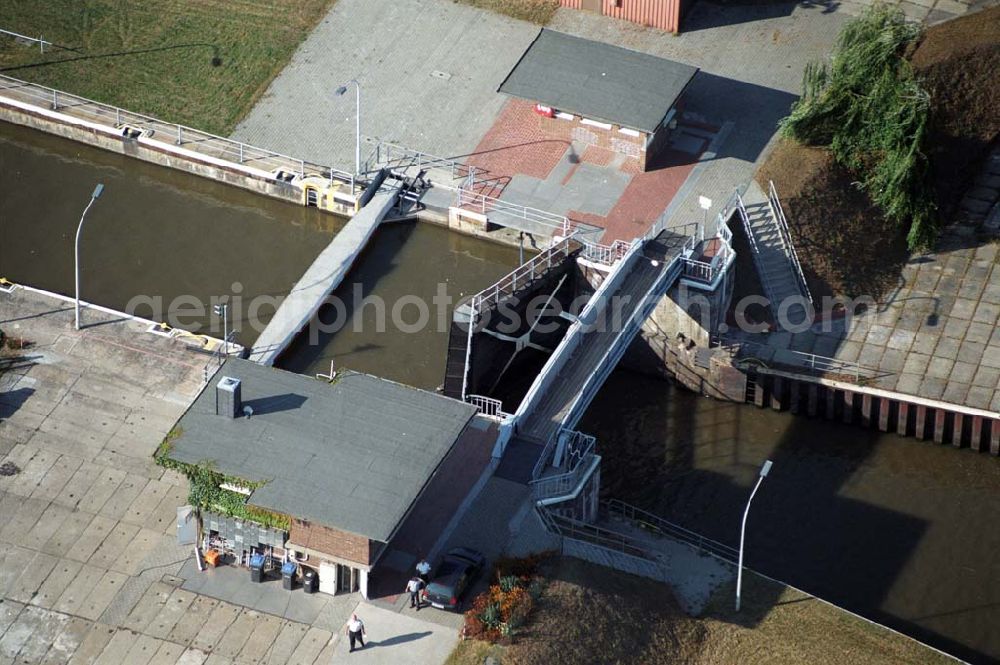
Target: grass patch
{"points": [[535, 11], [203, 64], [868, 107], [590, 614]]}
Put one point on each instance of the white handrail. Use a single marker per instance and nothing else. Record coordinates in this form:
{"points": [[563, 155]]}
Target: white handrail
{"points": [[193, 139], [786, 237]]}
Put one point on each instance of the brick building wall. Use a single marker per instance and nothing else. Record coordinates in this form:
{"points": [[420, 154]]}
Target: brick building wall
{"points": [[339, 544]]}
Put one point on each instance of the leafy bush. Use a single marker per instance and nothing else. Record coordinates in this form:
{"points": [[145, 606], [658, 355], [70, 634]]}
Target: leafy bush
{"points": [[206, 491], [499, 611], [872, 113]]}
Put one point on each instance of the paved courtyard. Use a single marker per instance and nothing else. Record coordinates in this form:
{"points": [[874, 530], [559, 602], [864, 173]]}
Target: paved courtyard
{"points": [[90, 571], [428, 70]]}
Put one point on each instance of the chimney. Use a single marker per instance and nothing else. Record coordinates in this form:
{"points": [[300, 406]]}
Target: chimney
{"points": [[227, 397]]}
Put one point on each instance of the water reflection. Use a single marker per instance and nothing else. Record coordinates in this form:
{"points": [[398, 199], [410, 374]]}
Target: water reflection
{"points": [[895, 529]]}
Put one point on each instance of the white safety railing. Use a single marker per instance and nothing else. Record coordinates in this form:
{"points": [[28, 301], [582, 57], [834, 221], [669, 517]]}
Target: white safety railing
{"points": [[786, 238], [810, 361], [657, 525], [520, 277], [491, 206], [576, 446], [605, 254], [38, 40], [394, 156], [194, 140], [707, 271], [488, 406]]}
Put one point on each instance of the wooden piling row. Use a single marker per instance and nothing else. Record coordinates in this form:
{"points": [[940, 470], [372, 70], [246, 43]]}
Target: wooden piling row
{"points": [[923, 422]]}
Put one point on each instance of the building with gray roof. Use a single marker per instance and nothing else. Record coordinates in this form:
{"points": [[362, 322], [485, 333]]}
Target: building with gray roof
{"points": [[607, 87], [345, 461]]}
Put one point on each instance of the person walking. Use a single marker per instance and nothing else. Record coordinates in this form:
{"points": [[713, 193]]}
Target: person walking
{"points": [[356, 631], [414, 587]]}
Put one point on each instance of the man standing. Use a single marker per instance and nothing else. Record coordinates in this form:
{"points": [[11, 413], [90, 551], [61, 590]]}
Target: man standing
{"points": [[356, 631], [424, 570], [414, 586]]}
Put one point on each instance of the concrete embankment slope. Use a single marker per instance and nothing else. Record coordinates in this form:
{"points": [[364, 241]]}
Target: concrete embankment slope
{"points": [[321, 279]]}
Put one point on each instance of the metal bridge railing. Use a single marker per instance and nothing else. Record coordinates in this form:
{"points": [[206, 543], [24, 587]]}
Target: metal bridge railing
{"points": [[488, 406], [392, 155], [577, 447], [576, 530], [520, 276], [605, 254], [657, 525], [195, 140], [786, 238], [811, 361], [489, 205], [707, 271]]}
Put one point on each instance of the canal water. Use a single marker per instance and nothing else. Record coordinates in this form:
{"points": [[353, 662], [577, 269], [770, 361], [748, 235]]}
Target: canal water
{"points": [[184, 240], [901, 531]]}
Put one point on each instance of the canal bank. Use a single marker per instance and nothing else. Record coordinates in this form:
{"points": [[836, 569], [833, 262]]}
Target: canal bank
{"points": [[898, 531]]}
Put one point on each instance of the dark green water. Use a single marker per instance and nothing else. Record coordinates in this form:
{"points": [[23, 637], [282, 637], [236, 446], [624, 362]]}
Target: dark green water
{"points": [[178, 241]]}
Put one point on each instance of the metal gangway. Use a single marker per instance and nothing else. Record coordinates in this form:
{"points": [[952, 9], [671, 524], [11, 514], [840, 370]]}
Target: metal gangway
{"points": [[591, 349]]}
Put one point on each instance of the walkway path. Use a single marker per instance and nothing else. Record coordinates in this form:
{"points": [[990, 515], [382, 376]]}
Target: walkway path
{"points": [[320, 280]]}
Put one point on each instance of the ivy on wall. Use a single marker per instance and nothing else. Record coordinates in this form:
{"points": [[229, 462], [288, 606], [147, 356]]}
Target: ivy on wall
{"points": [[206, 491]]}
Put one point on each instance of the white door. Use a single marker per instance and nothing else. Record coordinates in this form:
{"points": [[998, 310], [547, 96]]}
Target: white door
{"points": [[328, 577]]}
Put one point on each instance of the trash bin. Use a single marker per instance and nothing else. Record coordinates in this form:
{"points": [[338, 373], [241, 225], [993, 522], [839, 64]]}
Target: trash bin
{"points": [[257, 568], [288, 575], [309, 581]]}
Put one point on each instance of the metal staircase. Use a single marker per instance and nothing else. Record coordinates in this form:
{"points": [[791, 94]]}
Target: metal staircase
{"points": [[774, 254]]}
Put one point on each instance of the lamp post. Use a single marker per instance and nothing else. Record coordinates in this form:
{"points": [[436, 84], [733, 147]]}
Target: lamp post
{"points": [[76, 247], [743, 529], [223, 311], [357, 122]]}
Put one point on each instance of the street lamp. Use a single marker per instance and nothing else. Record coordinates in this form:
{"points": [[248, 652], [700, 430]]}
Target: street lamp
{"points": [[223, 311], [743, 529], [357, 122], [76, 248]]}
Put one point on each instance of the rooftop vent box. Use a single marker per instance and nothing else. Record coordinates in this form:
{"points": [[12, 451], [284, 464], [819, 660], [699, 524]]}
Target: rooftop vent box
{"points": [[227, 397]]}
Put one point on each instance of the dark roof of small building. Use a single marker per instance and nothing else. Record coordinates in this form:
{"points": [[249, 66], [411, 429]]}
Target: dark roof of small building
{"points": [[353, 456], [598, 81]]}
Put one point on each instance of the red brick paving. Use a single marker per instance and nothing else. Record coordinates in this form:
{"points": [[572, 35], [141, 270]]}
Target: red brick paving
{"points": [[518, 142], [644, 199], [523, 142]]}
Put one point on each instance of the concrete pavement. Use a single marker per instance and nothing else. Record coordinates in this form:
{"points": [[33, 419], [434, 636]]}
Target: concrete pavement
{"points": [[89, 567]]}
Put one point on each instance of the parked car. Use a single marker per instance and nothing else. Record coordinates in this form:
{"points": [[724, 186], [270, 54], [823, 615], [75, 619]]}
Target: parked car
{"points": [[453, 577]]}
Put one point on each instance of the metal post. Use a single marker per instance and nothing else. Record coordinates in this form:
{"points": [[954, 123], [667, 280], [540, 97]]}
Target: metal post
{"points": [[76, 248], [178, 134], [743, 529], [41, 43], [55, 100], [241, 153], [118, 116], [302, 168]]}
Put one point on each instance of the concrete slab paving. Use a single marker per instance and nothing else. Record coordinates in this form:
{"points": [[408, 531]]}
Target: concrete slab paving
{"points": [[168, 654], [258, 645], [398, 639], [142, 651], [235, 637], [190, 624], [55, 585], [55, 481], [103, 594], [310, 646], [79, 589], [93, 644], [148, 607], [67, 641], [170, 614], [78, 485], [26, 586], [48, 524], [49, 625], [222, 616], [113, 546], [288, 639], [116, 650]]}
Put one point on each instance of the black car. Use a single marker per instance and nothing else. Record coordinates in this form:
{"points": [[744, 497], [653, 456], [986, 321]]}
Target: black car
{"points": [[454, 575]]}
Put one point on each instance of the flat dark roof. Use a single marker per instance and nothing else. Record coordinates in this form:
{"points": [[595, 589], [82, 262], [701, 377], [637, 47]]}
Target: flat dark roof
{"points": [[354, 455], [598, 81]]}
